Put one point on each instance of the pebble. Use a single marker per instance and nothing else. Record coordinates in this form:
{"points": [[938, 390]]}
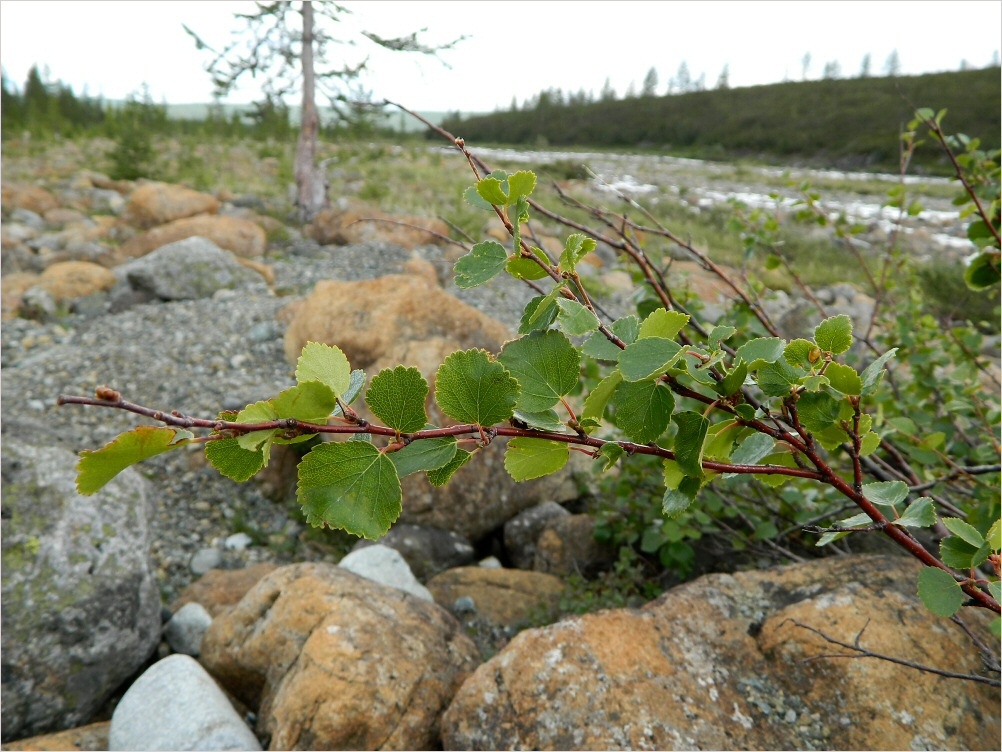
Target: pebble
{"points": [[205, 559], [185, 630]]}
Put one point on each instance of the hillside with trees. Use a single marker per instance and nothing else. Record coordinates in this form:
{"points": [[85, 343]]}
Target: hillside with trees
{"points": [[836, 122]]}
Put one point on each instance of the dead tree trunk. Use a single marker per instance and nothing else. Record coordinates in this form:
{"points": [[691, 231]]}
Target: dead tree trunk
{"points": [[311, 188]]}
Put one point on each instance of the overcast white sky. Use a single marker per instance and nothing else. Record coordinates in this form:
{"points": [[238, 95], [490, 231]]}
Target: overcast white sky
{"points": [[515, 48]]}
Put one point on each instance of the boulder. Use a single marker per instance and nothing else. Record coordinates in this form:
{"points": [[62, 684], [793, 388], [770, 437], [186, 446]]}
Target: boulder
{"points": [[13, 286], [567, 545], [353, 221], [331, 660], [153, 204], [188, 269], [506, 597], [523, 530], [240, 236], [380, 319], [68, 280], [719, 663], [93, 737], [34, 198], [385, 566], [427, 550], [81, 605], [220, 589], [175, 704]]}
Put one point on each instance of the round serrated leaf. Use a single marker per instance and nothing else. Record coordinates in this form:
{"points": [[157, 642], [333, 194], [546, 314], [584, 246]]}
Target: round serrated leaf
{"points": [[939, 591], [834, 335], [527, 458], [326, 364], [396, 396], [663, 323], [472, 387], [309, 401], [648, 357], [574, 318], [643, 409], [844, 378], [545, 364], [484, 262], [692, 429], [424, 455], [767, 349], [351, 486], [232, 460]]}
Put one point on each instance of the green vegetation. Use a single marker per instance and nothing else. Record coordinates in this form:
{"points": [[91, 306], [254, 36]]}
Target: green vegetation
{"points": [[847, 123]]}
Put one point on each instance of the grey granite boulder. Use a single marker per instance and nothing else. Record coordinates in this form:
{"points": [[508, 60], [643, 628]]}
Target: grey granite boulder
{"points": [[386, 566], [81, 606], [188, 269]]}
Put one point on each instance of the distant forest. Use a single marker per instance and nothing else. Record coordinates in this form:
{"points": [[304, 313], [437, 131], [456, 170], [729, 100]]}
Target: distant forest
{"points": [[849, 123]]}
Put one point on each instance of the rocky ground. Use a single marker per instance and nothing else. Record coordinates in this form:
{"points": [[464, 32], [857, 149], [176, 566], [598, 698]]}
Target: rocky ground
{"points": [[177, 299]]}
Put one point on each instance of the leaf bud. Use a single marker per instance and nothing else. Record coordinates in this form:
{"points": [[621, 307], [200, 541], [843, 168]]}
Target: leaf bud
{"points": [[107, 393]]}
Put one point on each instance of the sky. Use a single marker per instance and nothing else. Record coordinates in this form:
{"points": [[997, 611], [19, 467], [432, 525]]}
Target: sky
{"points": [[512, 50]]}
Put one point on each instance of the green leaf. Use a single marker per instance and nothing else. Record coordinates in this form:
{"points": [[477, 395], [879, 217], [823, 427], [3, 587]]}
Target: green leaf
{"points": [[885, 493], [397, 398], [940, 593], [326, 364], [474, 198], [576, 248], [844, 378], [778, 379], [994, 536], [643, 409], [814, 383], [522, 183], [355, 384], [817, 410], [444, 474], [351, 486], [472, 387], [689, 442], [609, 455], [527, 268], [858, 520], [546, 420], [834, 335], [802, 353], [663, 323], [868, 443], [575, 319], [677, 500], [733, 381], [308, 401], [964, 531], [545, 364], [717, 335], [259, 412], [957, 553], [484, 262], [982, 272], [232, 460], [598, 398], [752, 450], [598, 346], [920, 513], [648, 357], [768, 349], [97, 467], [493, 191], [539, 313], [995, 589], [873, 373], [527, 458], [424, 454], [996, 626]]}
